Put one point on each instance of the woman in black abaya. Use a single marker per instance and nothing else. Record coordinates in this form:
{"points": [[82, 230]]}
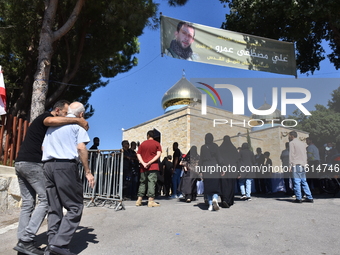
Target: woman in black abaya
{"points": [[209, 160], [229, 161], [188, 184]]}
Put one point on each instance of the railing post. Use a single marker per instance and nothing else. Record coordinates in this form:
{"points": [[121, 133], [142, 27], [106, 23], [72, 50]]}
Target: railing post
{"points": [[19, 137]]}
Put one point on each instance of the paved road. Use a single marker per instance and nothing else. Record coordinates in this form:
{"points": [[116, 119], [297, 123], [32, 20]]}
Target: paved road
{"points": [[263, 226]]}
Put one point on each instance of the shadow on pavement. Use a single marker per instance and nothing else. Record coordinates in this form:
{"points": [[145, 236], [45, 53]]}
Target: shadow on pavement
{"points": [[82, 238]]}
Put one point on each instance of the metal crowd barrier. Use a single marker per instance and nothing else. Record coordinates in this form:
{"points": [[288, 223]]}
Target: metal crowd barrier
{"points": [[107, 169]]}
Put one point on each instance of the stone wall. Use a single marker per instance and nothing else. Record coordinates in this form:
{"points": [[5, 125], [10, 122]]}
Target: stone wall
{"points": [[273, 140], [188, 127], [203, 124], [173, 127], [9, 189]]}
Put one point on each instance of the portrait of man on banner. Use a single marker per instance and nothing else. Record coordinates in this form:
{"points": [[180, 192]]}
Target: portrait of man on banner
{"points": [[180, 46]]}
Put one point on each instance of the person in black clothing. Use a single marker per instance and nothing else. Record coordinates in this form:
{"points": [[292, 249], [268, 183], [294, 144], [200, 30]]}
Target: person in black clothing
{"points": [[127, 173], [176, 177], [93, 157], [188, 184], [247, 160], [134, 165], [268, 164], [329, 152], [286, 174], [230, 159], [260, 182], [167, 173], [211, 180], [95, 143]]}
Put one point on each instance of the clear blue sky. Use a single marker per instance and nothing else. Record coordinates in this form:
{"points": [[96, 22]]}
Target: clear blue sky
{"points": [[135, 97]]}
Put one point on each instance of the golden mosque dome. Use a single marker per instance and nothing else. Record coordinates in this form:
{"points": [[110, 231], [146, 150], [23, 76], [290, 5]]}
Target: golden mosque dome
{"points": [[179, 95]]}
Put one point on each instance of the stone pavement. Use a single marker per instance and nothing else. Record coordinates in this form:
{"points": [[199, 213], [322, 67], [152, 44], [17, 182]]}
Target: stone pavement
{"points": [[265, 225]]}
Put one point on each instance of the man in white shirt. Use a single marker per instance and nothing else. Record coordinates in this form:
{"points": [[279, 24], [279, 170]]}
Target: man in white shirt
{"points": [[62, 147]]}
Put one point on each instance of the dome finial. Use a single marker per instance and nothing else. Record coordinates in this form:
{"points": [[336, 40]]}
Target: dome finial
{"points": [[183, 93], [183, 75]]}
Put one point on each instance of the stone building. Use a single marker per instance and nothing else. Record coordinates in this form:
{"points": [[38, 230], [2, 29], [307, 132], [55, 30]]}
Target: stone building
{"points": [[183, 122]]}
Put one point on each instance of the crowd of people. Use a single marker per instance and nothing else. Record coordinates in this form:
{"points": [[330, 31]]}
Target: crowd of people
{"points": [[180, 175], [46, 167]]}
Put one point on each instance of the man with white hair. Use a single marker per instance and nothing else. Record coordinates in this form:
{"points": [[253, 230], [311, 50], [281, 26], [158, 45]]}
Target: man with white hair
{"points": [[31, 179], [62, 147]]}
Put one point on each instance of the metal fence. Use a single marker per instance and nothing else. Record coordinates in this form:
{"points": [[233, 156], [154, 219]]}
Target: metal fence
{"points": [[107, 169]]}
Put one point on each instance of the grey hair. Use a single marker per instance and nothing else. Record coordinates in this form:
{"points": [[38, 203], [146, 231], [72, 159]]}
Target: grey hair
{"points": [[76, 109], [293, 133]]}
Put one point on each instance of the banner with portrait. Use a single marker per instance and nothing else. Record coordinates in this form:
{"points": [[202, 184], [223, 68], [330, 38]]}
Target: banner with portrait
{"points": [[199, 43]]}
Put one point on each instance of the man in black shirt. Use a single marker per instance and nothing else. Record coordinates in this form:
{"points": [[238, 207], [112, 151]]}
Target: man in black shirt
{"points": [[95, 143], [29, 169], [176, 177]]}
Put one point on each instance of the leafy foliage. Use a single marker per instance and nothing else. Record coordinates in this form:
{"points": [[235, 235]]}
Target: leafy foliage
{"points": [[334, 103], [305, 22], [102, 43], [177, 2], [323, 125]]}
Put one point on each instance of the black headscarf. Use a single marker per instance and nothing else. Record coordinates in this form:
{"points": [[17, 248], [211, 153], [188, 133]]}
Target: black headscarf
{"points": [[244, 146], [192, 158], [209, 151], [247, 156], [192, 153], [209, 139], [228, 152]]}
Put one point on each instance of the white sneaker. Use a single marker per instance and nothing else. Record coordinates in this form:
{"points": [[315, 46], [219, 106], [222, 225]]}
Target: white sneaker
{"points": [[180, 196], [215, 205], [243, 197], [210, 208]]}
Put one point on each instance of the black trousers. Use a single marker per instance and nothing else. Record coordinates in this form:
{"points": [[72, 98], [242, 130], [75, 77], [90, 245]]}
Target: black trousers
{"points": [[260, 185], [167, 183], [64, 189], [228, 190]]}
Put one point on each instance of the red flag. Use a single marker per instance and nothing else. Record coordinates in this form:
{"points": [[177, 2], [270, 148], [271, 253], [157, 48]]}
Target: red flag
{"points": [[2, 94]]}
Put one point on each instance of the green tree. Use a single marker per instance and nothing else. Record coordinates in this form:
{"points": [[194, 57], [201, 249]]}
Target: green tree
{"points": [[334, 103], [323, 125], [305, 22], [63, 49]]}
